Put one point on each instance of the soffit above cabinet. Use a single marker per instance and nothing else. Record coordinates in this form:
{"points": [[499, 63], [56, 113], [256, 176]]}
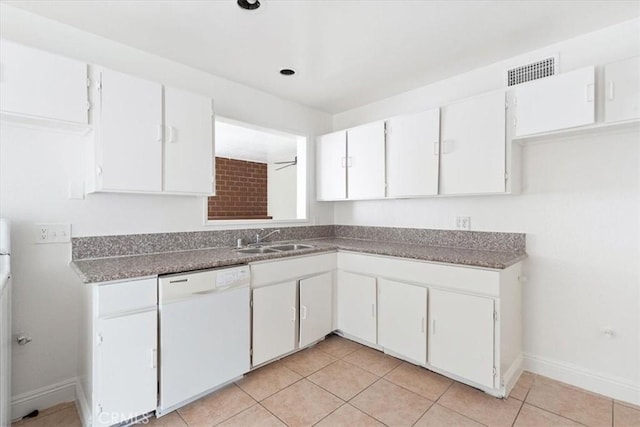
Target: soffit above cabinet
{"points": [[346, 54]]}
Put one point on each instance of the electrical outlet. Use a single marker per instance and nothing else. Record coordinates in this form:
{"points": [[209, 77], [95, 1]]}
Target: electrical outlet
{"points": [[463, 222], [52, 233]]}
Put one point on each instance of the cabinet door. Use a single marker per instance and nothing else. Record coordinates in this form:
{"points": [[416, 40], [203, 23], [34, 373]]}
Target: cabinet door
{"points": [[126, 367], [357, 306], [188, 148], [129, 152], [461, 335], [402, 318], [316, 308], [41, 84], [473, 146], [558, 102], [331, 173], [413, 154], [622, 86], [365, 161], [274, 321]]}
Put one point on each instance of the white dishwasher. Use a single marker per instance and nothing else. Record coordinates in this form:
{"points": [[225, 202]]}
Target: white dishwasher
{"points": [[204, 333]]}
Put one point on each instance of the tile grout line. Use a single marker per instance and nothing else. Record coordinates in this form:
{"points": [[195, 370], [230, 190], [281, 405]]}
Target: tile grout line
{"points": [[277, 417], [554, 413]]}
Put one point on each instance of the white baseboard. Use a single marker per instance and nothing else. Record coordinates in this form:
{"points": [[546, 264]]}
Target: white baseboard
{"points": [[43, 398], [512, 374], [82, 405], [616, 388]]}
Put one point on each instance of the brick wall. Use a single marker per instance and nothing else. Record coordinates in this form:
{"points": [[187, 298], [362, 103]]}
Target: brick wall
{"points": [[241, 190]]}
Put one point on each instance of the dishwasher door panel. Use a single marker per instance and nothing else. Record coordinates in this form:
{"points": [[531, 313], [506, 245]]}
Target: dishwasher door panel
{"points": [[204, 343]]}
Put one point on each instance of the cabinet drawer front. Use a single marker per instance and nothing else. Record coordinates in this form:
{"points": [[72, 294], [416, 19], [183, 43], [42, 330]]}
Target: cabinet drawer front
{"points": [[464, 279], [263, 273], [127, 296]]}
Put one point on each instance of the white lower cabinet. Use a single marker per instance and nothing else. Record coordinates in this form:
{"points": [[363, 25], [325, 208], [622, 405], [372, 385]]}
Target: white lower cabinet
{"points": [[127, 359], [118, 352], [292, 304], [402, 318], [462, 322], [357, 306], [274, 321], [461, 335], [316, 307]]}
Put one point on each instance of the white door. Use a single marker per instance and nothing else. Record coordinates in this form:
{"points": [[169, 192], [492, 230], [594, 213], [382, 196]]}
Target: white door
{"points": [[622, 86], [316, 308], [357, 306], [126, 367], [331, 172], [461, 335], [559, 102], [365, 162], [188, 148], [41, 84], [129, 151], [274, 321], [402, 317], [473, 146], [413, 154]]}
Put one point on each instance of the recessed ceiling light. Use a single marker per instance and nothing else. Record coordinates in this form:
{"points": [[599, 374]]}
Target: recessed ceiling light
{"points": [[249, 4], [287, 72]]}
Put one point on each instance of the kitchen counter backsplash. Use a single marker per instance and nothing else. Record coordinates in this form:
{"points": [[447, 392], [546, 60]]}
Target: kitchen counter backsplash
{"points": [[481, 240], [139, 244]]}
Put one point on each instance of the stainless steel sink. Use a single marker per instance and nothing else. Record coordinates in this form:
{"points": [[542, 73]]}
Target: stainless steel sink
{"points": [[290, 247], [257, 251], [274, 248]]}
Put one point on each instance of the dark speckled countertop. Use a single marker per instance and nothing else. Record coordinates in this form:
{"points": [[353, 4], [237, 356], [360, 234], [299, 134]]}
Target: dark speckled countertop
{"points": [[126, 267]]}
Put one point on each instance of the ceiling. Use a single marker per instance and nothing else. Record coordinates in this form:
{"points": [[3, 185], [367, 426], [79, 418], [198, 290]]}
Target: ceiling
{"points": [[243, 143], [346, 53]]}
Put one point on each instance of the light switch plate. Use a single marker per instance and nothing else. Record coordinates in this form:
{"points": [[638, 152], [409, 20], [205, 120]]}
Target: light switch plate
{"points": [[52, 233]]}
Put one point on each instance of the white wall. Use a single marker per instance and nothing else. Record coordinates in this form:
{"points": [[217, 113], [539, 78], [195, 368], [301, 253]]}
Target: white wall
{"points": [[282, 191], [36, 167], [580, 208]]}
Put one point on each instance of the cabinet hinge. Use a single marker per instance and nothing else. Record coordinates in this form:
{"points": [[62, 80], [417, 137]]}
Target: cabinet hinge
{"points": [[99, 340], [99, 85], [506, 176], [88, 105], [515, 121], [251, 303], [495, 371], [88, 82], [495, 316]]}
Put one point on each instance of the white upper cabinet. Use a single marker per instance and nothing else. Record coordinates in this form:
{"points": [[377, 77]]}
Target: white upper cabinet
{"points": [[188, 149], [366, 161], [331, 158], [473, 146], [149, 143], [42, 85], [128, 134], [559, 102], [622, 90], [413, 152]]}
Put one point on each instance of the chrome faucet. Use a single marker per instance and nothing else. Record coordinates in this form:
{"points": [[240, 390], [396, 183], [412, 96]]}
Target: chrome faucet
{"points": [[260, 239]]}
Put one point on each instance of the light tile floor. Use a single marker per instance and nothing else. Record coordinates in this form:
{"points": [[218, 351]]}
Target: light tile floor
{"points": [[341, 383]]}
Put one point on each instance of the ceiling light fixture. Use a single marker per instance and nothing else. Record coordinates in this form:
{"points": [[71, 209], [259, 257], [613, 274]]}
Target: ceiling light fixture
{"points": [[287, 72], [249, 4]]}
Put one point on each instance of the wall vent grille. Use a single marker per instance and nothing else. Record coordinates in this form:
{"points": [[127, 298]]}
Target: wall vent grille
{"points": [[534, 71]]}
